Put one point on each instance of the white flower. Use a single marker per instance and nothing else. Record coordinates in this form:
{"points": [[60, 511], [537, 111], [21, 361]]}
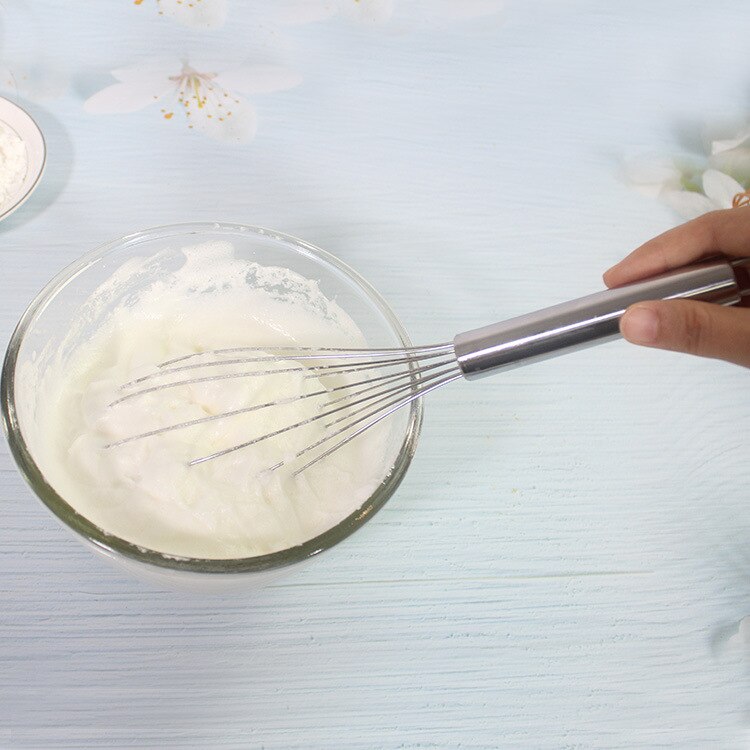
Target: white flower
{"points": [[653, 177], [688, 192], [206, 14], [719, 191], [732, 155], [209, 101], [728, 144]]}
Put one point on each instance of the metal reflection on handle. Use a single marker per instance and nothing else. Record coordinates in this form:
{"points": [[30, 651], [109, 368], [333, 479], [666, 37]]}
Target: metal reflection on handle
{"points": [[586, 321]]}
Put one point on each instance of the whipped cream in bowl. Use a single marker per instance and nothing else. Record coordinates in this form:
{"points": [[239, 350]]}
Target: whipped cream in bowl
{"points": [[183, 292]]}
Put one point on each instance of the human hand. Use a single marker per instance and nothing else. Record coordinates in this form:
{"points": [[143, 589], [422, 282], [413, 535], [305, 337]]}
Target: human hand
{"points": [[701, 328]]}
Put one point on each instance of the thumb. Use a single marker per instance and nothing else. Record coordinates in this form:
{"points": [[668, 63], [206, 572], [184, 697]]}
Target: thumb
{"points": [[700, 328]]}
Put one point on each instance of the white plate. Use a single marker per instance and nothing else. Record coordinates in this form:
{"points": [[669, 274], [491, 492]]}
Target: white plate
{"points": [[28, 131]]}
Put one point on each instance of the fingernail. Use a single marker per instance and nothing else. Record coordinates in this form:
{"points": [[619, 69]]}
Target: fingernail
{"points": [[640, 325]]}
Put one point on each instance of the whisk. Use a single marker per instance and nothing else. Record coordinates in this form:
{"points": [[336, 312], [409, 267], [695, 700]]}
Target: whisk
{"points": [[386, 380]]}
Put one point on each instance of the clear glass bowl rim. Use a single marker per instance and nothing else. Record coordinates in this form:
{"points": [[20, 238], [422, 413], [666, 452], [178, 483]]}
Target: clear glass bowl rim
{"points": [[115, 546]]}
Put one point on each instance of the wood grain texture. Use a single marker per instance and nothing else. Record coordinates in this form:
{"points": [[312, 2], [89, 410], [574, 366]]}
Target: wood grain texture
{"points": [[568, 556]]}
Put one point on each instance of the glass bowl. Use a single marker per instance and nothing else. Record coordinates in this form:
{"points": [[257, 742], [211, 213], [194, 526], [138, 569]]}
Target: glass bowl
{"points": [[54, 313]]}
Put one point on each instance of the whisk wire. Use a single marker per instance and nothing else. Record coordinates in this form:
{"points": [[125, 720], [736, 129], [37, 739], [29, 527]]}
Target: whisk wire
{"points": [[389, 358], [300, 423], [319, 352], [316, 371], [384, 413], [369, 383], [381, 396], [391, 378], [385, 410]]}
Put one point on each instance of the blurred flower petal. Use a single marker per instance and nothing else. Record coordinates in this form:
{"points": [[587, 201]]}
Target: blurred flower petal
{"points": [[652, 176], [717, 147], [720, 188], [238, 127], [258, 79], [735, 162], [688, 204], [125, 97], [147, 73]]}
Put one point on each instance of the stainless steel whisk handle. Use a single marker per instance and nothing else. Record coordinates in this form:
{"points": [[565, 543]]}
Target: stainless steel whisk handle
{"points": [[589, 320]]}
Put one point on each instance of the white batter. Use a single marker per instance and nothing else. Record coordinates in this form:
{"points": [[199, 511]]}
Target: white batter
{"points": [[144, 491], [14, 162]]}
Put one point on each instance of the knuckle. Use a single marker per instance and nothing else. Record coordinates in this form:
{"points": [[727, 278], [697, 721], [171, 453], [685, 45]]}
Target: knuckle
{"points": [[696, 328], [708, 226]]}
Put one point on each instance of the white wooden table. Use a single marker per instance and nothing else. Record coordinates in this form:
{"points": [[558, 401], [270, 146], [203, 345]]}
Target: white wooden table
{"points": [[569, 556]]}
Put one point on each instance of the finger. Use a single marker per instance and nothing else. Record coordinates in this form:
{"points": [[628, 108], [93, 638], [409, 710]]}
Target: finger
{"points": [[726, 232], [700, 328]]}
